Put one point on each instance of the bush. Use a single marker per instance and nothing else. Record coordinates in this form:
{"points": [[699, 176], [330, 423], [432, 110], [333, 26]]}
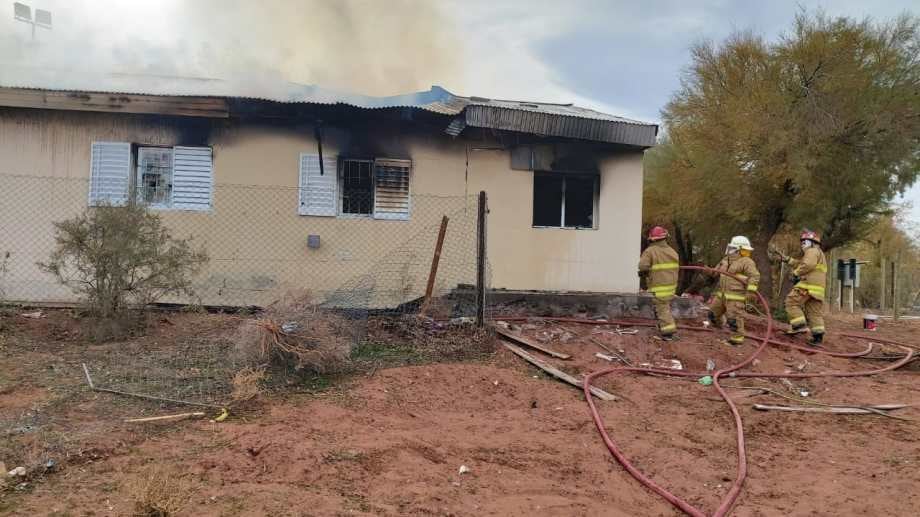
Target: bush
{"points": [[120, 257]]}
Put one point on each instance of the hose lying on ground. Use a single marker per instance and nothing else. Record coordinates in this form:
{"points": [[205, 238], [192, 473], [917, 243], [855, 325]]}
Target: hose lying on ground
{"points": [[765, 340]]}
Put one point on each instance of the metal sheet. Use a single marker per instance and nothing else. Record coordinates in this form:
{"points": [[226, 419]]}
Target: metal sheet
{"points": [[547, 119]]}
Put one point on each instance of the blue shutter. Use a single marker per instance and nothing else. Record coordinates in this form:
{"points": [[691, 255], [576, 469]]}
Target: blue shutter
{"points": [[318, 191], [193, 179], [110, 169]]}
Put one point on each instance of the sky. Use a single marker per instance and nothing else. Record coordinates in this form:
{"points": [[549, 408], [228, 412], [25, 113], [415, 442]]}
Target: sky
{"points": [[622, 57]]}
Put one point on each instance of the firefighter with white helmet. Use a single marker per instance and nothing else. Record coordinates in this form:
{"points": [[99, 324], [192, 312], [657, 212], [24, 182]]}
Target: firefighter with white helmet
{"points": [[732, 292], [805, 303], [659, 265]]}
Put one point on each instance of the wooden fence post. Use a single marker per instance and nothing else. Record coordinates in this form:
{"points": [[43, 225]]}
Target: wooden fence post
{"points": [[883, 295], [435, 260]]}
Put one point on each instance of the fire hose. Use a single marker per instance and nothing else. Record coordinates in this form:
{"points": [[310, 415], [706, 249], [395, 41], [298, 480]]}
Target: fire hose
{"points": [[732, 371]]}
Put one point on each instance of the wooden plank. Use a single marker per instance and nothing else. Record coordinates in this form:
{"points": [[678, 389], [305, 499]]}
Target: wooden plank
{"points": [[557, 373], [531, 344], [117, 103], [838, 410], [435, 260], [180, 416]]}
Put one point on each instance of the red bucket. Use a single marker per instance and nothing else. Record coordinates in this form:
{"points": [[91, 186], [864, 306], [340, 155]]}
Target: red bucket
{"points": [[870, 322]]}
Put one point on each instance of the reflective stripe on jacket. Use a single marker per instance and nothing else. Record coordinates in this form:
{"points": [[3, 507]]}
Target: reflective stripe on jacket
{"points": [[812, 272], [744, 268], [661, 263]]}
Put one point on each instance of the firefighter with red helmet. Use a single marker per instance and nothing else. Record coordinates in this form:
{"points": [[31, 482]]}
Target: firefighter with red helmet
{"points": [[659, 265], [805, 303]]}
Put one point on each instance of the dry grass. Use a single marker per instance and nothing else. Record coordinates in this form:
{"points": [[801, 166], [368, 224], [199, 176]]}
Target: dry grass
{"points": [[247, 384], [159, 493], [294, 333]]}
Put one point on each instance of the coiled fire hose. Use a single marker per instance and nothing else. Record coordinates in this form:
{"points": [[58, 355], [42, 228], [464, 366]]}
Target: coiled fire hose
{"points": [[765, 340]]}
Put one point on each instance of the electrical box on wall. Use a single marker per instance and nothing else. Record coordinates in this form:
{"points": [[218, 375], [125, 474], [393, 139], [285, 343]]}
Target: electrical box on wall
{"points": [[313, 242]]}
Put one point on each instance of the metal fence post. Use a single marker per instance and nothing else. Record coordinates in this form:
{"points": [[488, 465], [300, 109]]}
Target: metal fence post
{"points": [[481, 259]]}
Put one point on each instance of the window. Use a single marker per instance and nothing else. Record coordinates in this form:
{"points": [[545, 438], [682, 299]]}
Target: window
{"points": [[154, 176], [564, 200], [376, 188], [357, 187], [178, 178]]}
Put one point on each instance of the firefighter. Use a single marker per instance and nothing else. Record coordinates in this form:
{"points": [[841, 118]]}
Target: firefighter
{"points": [[731, 295], [805, 303], [659, 265]]}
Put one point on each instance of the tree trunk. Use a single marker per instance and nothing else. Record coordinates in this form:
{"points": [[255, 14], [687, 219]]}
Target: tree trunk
{"points": [[761, 245]]}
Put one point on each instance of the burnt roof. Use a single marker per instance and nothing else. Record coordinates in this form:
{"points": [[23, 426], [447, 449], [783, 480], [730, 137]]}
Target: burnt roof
{"points": [[537, 118]]}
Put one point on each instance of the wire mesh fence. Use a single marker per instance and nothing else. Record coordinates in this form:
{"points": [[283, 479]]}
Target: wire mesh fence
{"points": [[260, 247], [260, 251]]}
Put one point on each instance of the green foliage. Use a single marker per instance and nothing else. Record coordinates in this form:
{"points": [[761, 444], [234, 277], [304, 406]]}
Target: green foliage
{"points": [[819, 129], [386, 353], [118, 257]]}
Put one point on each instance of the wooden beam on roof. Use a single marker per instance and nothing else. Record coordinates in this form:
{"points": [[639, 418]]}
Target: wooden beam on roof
{"points": [[211, 107]]}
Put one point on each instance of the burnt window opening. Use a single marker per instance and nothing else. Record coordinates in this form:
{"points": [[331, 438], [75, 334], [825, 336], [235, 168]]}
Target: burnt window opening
{"points": [[564, 200], [155, 176], [357, 187]]}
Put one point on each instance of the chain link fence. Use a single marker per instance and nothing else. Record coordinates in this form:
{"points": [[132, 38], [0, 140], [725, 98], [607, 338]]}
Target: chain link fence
{"points": [[262, 253], [258, 248]]}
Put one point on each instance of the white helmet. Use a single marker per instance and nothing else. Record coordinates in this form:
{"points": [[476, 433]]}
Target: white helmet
{"points": [[739, 242]]}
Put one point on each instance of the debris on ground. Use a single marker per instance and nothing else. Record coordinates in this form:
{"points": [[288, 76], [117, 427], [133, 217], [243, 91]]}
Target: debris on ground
{"points": [[293, 332], [401, 418]]}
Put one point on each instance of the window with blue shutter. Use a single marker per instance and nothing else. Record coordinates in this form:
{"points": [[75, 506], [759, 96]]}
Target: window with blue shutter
{"points": [[110, 169], [318, 188], [192, 179]]}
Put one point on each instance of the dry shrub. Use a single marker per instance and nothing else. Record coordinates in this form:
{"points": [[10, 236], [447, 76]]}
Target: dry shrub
{"points": [[294, 333], [159, 493], [247, 384]]}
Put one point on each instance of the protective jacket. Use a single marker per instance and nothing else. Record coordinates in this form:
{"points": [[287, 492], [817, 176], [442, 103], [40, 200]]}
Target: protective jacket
{"points": [[812, 272], [660, 263], [744, 268]]}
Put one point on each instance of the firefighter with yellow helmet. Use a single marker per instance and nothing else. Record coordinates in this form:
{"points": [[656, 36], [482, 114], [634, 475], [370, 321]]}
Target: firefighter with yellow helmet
{"points": [[659, 265], [732, 292], [805, 303]]}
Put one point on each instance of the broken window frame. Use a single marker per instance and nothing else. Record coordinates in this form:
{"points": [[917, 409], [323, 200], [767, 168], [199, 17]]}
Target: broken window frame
{"points": [[564, 176], [140, 188]]}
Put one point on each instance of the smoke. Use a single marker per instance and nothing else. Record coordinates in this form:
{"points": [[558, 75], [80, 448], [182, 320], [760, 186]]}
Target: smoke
{"points": [[369, 47]]}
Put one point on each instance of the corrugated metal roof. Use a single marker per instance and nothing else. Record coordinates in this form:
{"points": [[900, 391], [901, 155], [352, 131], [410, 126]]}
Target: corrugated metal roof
{"points": [[562, 120]]}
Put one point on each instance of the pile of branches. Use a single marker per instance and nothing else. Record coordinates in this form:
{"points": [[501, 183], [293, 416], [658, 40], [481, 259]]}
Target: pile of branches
{"points": [[295, 334]]}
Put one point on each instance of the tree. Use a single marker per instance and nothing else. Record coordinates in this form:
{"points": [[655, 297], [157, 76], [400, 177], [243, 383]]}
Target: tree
{"points": [[820, 129], [116, 257]]}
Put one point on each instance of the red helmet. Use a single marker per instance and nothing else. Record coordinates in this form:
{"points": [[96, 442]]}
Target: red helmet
{"points": [[811, 236], [657, 233]]}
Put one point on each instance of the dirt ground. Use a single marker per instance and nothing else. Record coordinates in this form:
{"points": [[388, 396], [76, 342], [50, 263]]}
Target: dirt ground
{"points": [[392, 440]]}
